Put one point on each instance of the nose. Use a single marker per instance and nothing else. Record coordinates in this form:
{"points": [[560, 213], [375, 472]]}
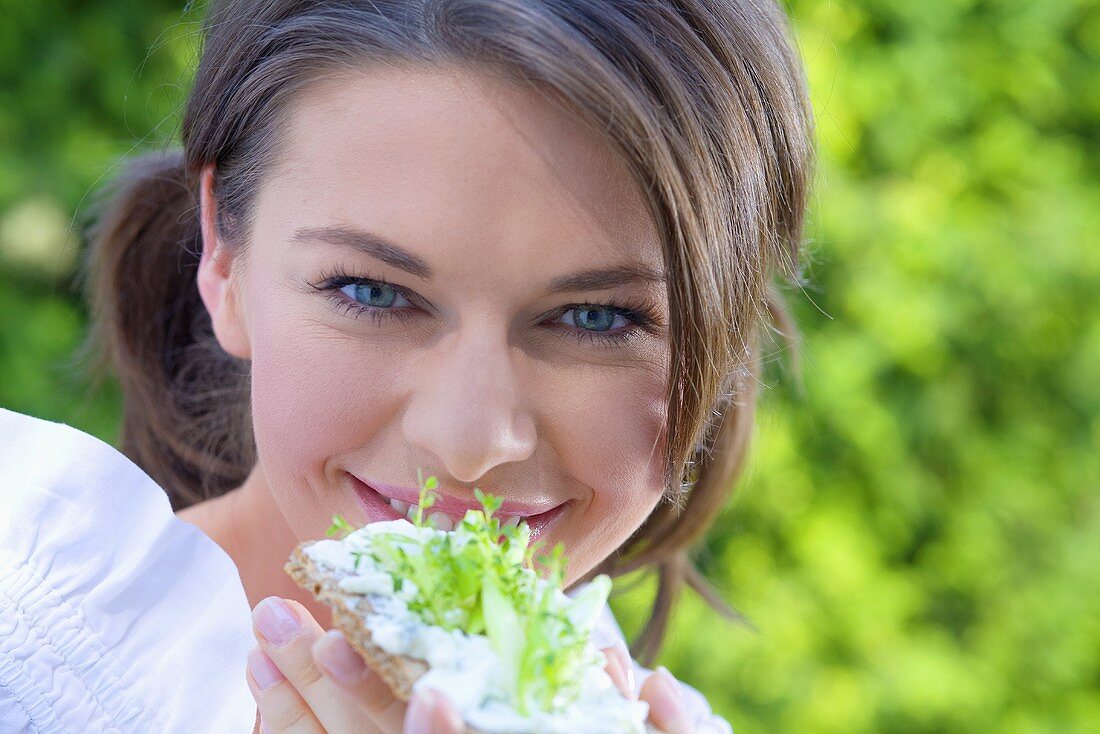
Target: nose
{"points": [[467, 408]]}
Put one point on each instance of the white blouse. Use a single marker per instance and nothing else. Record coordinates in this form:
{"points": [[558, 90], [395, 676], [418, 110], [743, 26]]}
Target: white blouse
{"points": [[115, 615]]}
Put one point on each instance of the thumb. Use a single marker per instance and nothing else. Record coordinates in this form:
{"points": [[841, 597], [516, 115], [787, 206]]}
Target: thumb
{"points": [[343, 664], [431, 712]]}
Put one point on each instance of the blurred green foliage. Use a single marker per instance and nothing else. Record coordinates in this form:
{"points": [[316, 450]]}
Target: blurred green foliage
{"points": [[918, 534]]}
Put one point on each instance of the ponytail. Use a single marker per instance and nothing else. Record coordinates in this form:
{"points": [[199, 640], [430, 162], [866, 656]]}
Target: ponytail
{"points": [[184, 400]]}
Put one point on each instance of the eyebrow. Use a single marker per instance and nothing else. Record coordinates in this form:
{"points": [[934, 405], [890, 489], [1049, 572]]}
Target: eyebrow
{"points": [[371, 244], [389, 253]]}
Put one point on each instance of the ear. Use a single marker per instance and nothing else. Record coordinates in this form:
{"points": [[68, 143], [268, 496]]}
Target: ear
{"points": [[218, 287]]}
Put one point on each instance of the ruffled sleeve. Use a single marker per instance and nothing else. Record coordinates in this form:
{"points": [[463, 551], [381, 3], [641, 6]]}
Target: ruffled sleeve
{"points": [[115, 616]]}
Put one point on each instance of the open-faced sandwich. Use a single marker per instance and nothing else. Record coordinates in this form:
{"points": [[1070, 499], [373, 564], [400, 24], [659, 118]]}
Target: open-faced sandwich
{"points": [[474, 613]]}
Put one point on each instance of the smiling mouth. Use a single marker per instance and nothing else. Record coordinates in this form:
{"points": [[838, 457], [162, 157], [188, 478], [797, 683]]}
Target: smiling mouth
{"points": [[380, 507], [437, 518]]}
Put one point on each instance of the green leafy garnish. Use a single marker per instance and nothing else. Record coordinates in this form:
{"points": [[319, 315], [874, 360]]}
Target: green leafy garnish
{"points": [[339, 526], [484, 578], [427, 496]]}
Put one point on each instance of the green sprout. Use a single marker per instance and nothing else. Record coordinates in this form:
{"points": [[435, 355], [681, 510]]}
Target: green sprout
{"points": [[339, 527], [427, 496]]}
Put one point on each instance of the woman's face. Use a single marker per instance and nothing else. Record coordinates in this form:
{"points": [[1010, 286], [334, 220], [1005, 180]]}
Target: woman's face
{"points": [[414, 297]]}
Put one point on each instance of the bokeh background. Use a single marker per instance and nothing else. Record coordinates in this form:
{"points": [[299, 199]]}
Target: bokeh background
{"points": [[917, 538]]}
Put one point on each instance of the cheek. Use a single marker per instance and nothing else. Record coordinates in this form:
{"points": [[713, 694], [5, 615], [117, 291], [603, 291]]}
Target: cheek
{"points": [[610, 436], [316, 397]]}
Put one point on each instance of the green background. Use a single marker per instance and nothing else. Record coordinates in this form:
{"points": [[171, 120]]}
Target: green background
{"points": [[916, 540]]}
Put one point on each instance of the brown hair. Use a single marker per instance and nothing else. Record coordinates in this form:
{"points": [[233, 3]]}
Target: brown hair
{"points": [[704, 99]]}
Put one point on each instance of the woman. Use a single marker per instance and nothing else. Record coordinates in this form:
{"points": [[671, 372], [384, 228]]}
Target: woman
{"points": [[524, 246]]}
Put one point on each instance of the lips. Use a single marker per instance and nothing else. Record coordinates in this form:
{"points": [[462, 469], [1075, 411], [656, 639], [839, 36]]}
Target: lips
{"points": [[456, 506], [374, 505], [379, 507]]}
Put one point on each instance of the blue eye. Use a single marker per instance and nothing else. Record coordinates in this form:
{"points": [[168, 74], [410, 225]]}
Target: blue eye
{"points": [[594, 318], [374, 294]]}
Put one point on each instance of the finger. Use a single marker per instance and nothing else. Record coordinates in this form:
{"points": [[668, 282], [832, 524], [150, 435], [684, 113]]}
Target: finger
{"points": [[620, 668], [667, 710], [447, 719], [340, 662], [282, 709], [431, 712], [286, 632]]}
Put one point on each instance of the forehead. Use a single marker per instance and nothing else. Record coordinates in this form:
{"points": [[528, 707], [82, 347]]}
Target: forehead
{"points": [[459, 163]]}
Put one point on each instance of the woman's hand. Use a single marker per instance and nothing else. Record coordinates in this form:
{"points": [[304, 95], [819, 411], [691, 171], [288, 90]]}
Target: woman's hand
{"points": [[307, 681], [667, 709]]}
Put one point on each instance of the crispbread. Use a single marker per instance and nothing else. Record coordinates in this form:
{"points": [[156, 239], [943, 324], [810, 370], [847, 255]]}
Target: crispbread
{"points": [[398, 671]]}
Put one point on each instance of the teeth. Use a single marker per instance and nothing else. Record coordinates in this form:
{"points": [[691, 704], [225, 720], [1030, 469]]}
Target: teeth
{"points": [[440, 521]]}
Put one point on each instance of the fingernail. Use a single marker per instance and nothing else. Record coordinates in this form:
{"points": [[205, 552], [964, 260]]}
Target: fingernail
{"points": [[670, 679], [668, 706], [263, 669], [451, 720], [628, 666], [418, 719], [614, 669], [276, 621], [339, 659]]}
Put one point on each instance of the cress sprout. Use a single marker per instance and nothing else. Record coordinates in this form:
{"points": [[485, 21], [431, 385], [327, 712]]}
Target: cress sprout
{"points": [[482, 578]]}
